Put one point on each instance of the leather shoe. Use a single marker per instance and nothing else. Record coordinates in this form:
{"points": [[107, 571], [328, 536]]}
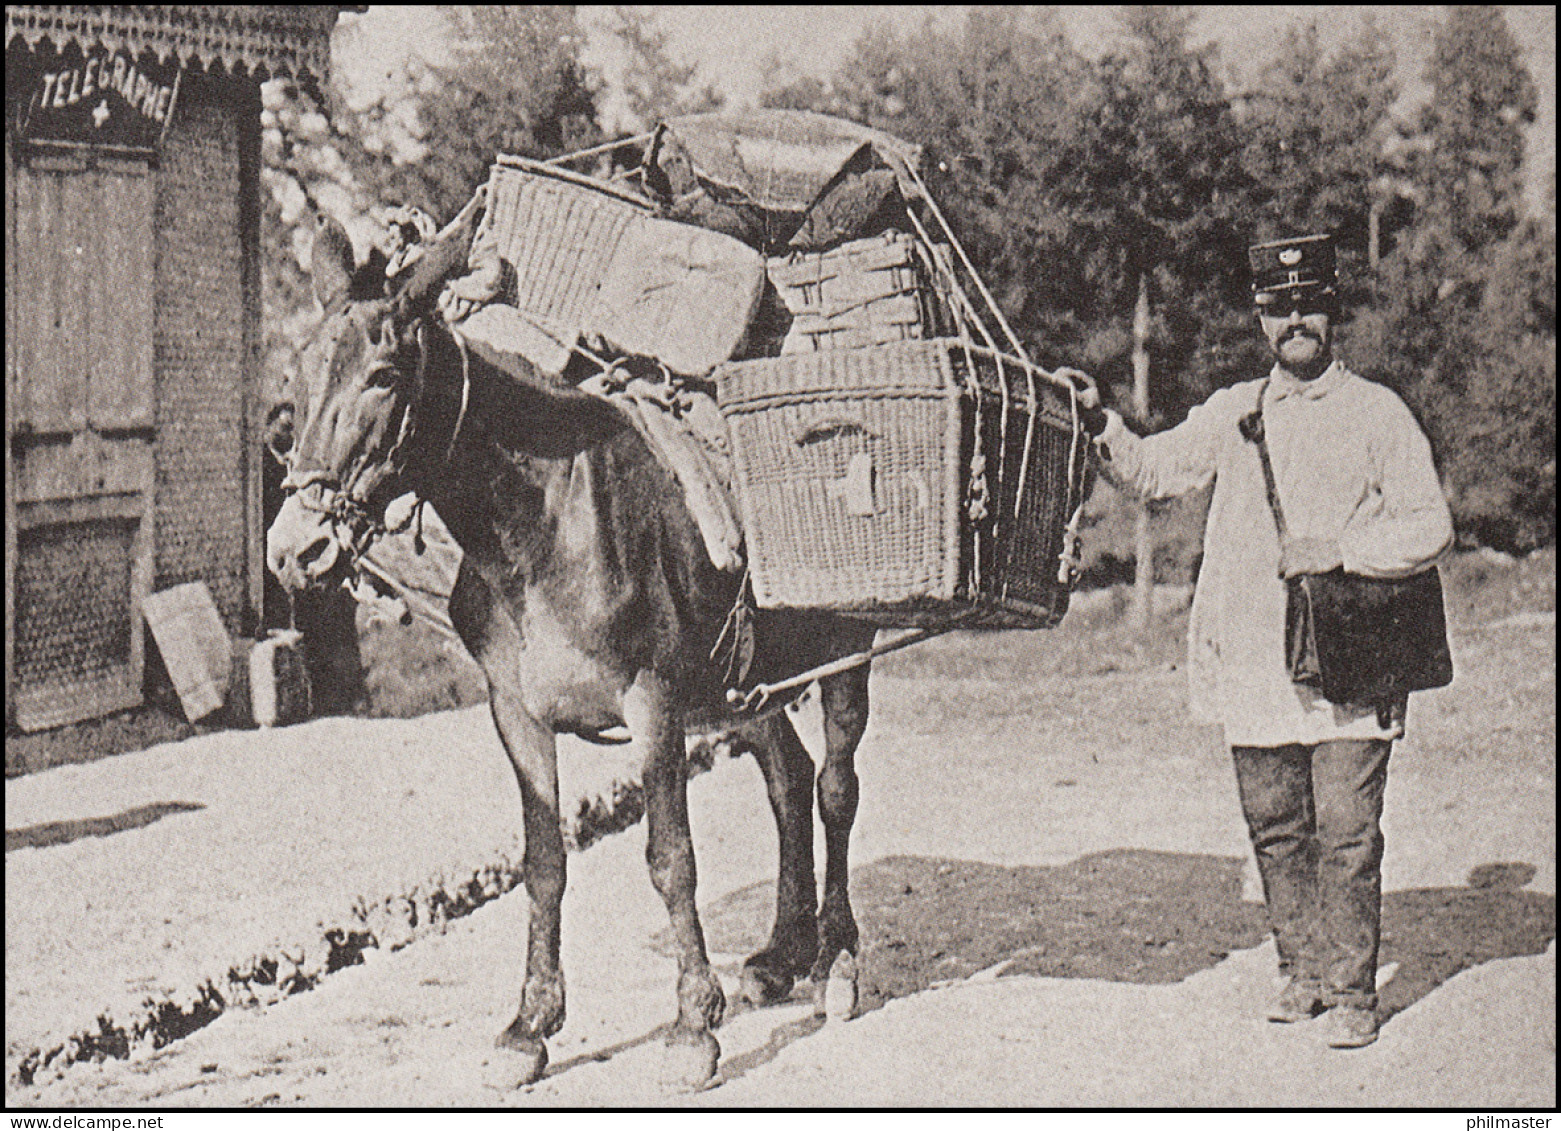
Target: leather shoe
{"points": [[1298, 1001], [1351, 1027]]}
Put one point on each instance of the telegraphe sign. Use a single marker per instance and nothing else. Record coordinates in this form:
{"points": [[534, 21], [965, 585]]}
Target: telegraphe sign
{"points": [[105, 98]]}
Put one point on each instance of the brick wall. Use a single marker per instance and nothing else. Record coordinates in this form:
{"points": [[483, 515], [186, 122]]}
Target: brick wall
{"points": [[203, 346]]}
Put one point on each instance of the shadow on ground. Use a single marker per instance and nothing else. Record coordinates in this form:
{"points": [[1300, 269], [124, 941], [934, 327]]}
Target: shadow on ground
{"points": [[63, 832], [1434, 933], [1128, 915]]}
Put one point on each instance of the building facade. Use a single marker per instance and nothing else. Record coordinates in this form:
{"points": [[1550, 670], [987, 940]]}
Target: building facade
{"points": [[133, 337]]}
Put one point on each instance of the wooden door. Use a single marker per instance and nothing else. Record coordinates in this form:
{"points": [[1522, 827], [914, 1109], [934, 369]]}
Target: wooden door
{"points": [[79, 430]]}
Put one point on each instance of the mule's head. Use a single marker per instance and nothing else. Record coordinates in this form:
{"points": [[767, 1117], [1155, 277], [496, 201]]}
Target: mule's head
{"points": [[356, 397]]}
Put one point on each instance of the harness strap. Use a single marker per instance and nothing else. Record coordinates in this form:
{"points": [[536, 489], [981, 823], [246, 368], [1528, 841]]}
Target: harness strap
{"points": [[338, 501], [301, 481], [1252, 428], [466, 390]]}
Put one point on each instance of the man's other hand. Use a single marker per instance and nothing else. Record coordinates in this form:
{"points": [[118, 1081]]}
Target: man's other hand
{"points": [[1308, 555]]}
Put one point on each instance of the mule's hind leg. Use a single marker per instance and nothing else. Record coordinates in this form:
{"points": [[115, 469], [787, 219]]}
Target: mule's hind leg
{"points": [[491, 637], [844, 698], [788, 779], [657, 726]]}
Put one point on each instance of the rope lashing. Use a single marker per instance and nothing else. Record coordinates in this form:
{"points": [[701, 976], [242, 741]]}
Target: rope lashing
{"points": [[937, 213], [605, 147]]}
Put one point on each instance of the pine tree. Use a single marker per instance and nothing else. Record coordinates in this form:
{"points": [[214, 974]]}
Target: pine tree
{"points": [[515, 85], [1453, 332], [1159, 207], [1315, 130], [656, 85], [1503, 467], [1163, 207], [1482, 98]]}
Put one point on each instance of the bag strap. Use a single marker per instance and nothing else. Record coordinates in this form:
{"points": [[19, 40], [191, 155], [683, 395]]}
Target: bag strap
{"points": [[1252, 428]]}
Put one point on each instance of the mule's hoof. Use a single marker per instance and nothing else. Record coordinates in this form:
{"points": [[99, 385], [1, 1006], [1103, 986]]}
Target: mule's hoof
{"points": [[840, 998], [529, 1056], [765, 987], [690, 1060]]}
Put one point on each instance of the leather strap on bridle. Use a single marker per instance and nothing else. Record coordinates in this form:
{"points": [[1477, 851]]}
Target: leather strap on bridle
{"points": [[338, 501]]}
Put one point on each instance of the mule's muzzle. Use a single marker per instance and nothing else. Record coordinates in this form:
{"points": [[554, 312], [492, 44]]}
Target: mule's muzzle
{"points": [[301, 547]]}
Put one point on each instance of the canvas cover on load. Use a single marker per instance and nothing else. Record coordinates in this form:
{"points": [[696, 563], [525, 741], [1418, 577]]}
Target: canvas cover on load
{"points": [[780, 180], [780, 159]]}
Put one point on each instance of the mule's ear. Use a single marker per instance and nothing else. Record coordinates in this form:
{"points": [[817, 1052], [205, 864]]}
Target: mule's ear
{"points": [[331, 263], [279, 430]]}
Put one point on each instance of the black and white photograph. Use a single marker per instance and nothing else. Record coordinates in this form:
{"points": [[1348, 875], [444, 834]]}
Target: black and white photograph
{"points": [[574, 558]]}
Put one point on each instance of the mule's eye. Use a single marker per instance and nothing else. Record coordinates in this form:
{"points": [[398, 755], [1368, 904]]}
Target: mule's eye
{"points": [[380, 377]]}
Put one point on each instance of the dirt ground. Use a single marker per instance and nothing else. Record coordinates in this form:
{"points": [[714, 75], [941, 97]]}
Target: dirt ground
{"points": [[1056, 901]]}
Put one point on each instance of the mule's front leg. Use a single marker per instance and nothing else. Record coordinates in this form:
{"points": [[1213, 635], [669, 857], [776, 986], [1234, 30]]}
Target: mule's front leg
{"points": [[656, 723], [844, 699], [489, 633], [533, 752]]}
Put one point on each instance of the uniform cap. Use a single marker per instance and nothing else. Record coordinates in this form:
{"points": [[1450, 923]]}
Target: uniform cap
{"points": [[1302, 267]]}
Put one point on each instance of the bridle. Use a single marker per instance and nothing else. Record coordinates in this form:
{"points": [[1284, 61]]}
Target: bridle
{"points": [[343, 504]]}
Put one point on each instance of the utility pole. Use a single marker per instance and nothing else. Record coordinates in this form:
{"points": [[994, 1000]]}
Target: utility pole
{"points": [[1143, 542]]}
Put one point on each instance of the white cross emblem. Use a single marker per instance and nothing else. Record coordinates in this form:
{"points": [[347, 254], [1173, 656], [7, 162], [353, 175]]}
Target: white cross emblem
{"points": [[100, 114]]}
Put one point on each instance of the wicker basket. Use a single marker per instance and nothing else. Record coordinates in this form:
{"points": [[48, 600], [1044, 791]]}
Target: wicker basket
{"points": [[590, 259], [560, 230], [862, 293], [916, 484]]}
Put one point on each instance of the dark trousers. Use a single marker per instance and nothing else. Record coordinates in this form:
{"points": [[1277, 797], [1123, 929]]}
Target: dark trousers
{"points": [[1315, 817]]}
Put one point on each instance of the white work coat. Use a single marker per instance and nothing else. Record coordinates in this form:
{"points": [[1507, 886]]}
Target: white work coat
{"points": [[1352, 467]]}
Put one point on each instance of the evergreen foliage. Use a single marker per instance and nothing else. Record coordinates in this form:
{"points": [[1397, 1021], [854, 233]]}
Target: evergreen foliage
{"points": [[655, 84], [515, 85], [1464, 322]]}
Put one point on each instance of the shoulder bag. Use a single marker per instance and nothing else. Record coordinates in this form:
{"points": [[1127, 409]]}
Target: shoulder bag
{"points": [[1355, 639]]}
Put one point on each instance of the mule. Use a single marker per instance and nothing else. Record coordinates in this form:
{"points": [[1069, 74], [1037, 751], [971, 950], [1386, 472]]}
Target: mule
{"points": [[587, 597]]}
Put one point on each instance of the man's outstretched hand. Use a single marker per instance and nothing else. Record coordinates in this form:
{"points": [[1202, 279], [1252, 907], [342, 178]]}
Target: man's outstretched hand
{"points": [[1091, 414]]}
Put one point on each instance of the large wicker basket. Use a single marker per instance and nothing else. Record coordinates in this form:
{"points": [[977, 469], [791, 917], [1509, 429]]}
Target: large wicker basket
{"points": [[915, 484], [560, 230], [589, 258]]}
